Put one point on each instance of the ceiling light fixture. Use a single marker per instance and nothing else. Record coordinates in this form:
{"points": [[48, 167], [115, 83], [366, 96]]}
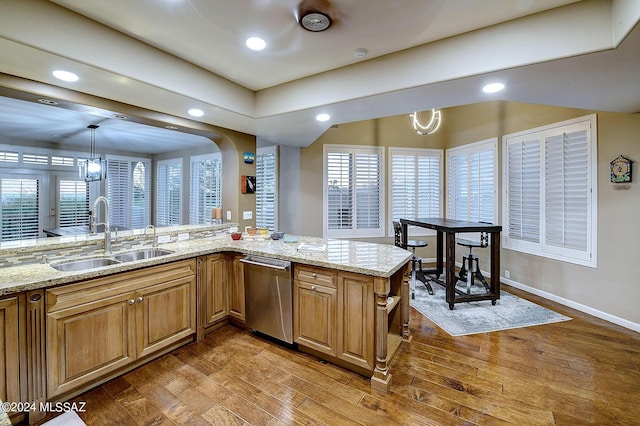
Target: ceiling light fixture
{"points": [[315, 15], [493, 87], [94, 168], [360, 53], [256, 43], [323, 117], [47, 101], [195, 112], [430, 127], [65, 76]]}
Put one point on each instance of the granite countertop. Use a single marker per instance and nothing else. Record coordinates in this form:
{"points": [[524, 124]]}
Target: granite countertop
{"points": [[381, 260]]}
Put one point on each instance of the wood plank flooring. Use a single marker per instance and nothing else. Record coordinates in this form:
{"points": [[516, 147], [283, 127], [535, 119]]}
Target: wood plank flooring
{"points": [[580, 372]]}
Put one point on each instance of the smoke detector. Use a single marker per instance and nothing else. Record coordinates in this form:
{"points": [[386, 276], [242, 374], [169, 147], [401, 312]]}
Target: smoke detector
{"points": [[315, 15]]}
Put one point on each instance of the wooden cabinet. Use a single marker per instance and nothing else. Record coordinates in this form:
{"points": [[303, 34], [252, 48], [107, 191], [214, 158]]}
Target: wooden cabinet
{"points": [[334, 314], [236, 288], [213, 294], [9, 351], [98, 327], [356, 319]]}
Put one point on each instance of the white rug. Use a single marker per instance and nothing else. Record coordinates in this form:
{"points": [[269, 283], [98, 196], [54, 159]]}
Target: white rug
{"points": [[480, 317], [69, 418]]}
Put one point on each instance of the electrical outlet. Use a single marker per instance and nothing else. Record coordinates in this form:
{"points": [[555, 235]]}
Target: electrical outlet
{"points": [[247, 215], [507, 274], [229, 215], [183, 237]]}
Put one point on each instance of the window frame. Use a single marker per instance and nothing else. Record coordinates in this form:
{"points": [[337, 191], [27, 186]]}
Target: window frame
{"points": [[354, 232], [588, 256], [485, 145], [415, 152], [261, 198]]}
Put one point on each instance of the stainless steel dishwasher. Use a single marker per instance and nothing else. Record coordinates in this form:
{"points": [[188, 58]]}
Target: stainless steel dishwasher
{"points": [[269, 296]]}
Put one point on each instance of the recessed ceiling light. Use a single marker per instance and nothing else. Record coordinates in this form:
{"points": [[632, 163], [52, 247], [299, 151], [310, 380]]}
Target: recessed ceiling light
{"points": [[120, 116], [493, 87], [360, 53], [323, 117], [255, 43], [65, 75], [195, 112], [171, 127]]}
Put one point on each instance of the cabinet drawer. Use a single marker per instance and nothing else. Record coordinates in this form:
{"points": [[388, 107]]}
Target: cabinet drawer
{"points": [[319, 276]]}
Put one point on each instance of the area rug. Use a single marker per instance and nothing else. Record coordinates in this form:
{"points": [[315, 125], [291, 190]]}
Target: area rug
{"points": [[480, 317]]}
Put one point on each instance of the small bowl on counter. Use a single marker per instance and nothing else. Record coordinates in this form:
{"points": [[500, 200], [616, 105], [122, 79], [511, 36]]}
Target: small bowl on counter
{"points": [[236, 236], [276, 235], [263, 231], [252, 231]]}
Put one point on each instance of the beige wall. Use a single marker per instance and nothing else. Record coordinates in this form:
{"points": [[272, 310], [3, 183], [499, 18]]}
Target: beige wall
{"points": [[611, 290]]}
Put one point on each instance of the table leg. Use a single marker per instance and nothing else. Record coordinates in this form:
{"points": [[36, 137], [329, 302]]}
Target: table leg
{"points": [[495, 266], [451, 269], [439, 253]]}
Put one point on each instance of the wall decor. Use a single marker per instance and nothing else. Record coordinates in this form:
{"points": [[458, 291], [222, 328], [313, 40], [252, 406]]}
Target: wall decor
{"points": [[620, 170], [247, 184], [249, 157]]}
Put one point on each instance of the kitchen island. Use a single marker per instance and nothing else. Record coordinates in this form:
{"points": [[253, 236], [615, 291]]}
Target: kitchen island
{"points": [[357, 291]]}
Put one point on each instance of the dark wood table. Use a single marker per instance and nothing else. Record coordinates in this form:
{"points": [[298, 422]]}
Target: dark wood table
{"points": [[451, 227]]}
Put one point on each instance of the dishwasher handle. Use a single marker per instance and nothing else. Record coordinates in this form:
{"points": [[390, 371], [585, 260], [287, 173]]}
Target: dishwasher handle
{"points": [[267, 262]]}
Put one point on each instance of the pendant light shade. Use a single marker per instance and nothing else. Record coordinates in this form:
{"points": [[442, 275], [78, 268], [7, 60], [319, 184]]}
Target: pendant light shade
{"points": [[94, 168]]}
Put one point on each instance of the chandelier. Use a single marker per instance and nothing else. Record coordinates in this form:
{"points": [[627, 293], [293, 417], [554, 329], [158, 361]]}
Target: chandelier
{"points": [[94, 168], [430, 127]]}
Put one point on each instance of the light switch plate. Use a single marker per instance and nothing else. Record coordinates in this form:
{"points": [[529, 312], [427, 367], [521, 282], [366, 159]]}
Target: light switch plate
{"points": [[183, 237], [246, 215], [164, 239], [229, 215]]}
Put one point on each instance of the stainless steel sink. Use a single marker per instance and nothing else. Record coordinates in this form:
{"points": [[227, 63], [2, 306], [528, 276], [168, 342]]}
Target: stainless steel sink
{"points": [[81, 265], [141, 254]]}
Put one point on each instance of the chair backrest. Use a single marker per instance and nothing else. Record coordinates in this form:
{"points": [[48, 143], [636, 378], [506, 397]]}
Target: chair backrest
{"points": [[484, 236], [397, 230]]}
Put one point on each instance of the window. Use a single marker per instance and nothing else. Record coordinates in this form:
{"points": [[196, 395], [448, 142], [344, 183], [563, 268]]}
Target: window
{"points": [[73, 203], [168, 192], [416, 187], [353, 191], [128, 191], [267, 188], [20, 207], [550, 195], [472, 182], [206, 187]]}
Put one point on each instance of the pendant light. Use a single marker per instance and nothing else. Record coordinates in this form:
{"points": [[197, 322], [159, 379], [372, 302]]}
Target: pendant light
{"points": [[430, 127], [94, 168]]}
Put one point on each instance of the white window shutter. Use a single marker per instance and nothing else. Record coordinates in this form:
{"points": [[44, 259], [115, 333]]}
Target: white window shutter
{"points": [[73, 204], [118, 191], [205, 187], [266, 189], [168, 197], [339, 190], [523, 196], [20, 208]]}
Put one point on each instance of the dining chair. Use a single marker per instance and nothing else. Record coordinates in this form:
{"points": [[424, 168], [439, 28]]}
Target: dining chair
{"points": [[416, 261]]}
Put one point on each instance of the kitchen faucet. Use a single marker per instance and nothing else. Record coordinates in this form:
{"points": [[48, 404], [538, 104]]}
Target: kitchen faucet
{"points": [[154, 243], [93, 224]]}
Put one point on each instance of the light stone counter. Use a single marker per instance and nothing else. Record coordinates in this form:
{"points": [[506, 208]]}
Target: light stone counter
{"points": [[380, 260]]}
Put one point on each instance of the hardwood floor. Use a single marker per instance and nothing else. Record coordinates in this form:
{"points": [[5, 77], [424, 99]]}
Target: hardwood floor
{"points": [[580, 372]]}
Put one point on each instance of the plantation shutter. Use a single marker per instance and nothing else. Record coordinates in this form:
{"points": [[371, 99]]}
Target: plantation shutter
{"points": [[141, 194], [168, 199], [415, 183], [20, 208], [205, 187], [118, 191], [73, 205], [567, 190], [266, 189], [472, 182], [354, 191], [339, 190], [523, 195]]}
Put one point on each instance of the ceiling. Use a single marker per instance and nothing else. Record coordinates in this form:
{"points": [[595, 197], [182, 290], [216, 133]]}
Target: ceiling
{"points": [[170, 55]]}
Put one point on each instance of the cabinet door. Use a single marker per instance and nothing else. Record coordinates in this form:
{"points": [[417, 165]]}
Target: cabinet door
{"points": [[215, 289], [9, 351], [314, 320], [236, 289], [165, 314], [356, 320], [88, 341]]}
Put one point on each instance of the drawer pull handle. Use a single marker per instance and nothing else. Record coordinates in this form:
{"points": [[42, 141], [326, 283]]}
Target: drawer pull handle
{"points": [[313, 288], [132, 302], [314, 275], [140, 299]]}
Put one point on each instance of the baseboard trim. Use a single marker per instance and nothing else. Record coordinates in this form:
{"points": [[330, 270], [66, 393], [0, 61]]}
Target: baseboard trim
{"points": [[575, 305]]}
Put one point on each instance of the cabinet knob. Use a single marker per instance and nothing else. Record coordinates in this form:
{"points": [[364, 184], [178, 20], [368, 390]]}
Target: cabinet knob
{"points": [[313, 274], [313, 287], [132, 302], [140, 299]]}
